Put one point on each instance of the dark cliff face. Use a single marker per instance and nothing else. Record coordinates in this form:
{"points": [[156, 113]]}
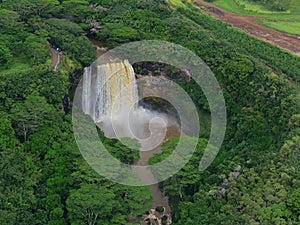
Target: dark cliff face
{"points": [[152, 80], [74, 79], [66, 104], [158, 69]]}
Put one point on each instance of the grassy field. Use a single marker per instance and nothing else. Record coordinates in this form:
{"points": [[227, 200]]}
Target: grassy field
{"points": [[286, 21], [289, 27]]}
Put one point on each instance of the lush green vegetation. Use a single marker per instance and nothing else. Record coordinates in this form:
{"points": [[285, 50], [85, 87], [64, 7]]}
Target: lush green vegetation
{"points": [[279, 15], [290, 27], [43, 178]]}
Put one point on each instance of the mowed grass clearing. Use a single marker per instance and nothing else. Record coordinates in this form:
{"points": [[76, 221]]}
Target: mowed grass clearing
{"points": [[286, 21], [289, 27]]}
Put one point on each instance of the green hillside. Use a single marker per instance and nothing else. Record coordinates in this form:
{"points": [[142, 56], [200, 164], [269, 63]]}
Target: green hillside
{"points": [[44, 180]]}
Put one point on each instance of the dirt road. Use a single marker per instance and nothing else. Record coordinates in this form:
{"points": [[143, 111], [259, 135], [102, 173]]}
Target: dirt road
{"points": [[56, 58], [249, 25]]}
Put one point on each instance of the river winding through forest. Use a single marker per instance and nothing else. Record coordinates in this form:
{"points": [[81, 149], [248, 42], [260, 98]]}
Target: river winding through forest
{"points": [[170, 130]]}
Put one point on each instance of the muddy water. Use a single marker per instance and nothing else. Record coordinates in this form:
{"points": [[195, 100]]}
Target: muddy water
{"points": [[172, 130], [159, 199], [97, 43], [101, 49]]}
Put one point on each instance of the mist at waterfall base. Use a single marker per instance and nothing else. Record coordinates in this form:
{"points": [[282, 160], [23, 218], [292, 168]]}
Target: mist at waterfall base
{"points": [[110, 97], [149, 128]]}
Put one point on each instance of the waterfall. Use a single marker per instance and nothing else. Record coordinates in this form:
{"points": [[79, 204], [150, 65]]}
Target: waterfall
{"points": [[109, 89], [86, 92], [110, 97]]}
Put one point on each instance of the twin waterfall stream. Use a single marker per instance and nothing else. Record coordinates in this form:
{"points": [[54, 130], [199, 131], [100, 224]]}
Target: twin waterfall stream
{"points": [[110, 96]]}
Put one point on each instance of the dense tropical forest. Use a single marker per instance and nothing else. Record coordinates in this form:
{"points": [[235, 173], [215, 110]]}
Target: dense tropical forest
{"points": [[255, 178]]}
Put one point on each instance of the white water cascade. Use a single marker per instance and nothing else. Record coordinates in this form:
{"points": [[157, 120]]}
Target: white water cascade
{"points": [[111, 90], [110, 97]]}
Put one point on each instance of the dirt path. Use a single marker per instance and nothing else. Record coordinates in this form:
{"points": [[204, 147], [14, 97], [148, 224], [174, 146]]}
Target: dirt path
{"points": [[249, 25], [56, 58]]}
